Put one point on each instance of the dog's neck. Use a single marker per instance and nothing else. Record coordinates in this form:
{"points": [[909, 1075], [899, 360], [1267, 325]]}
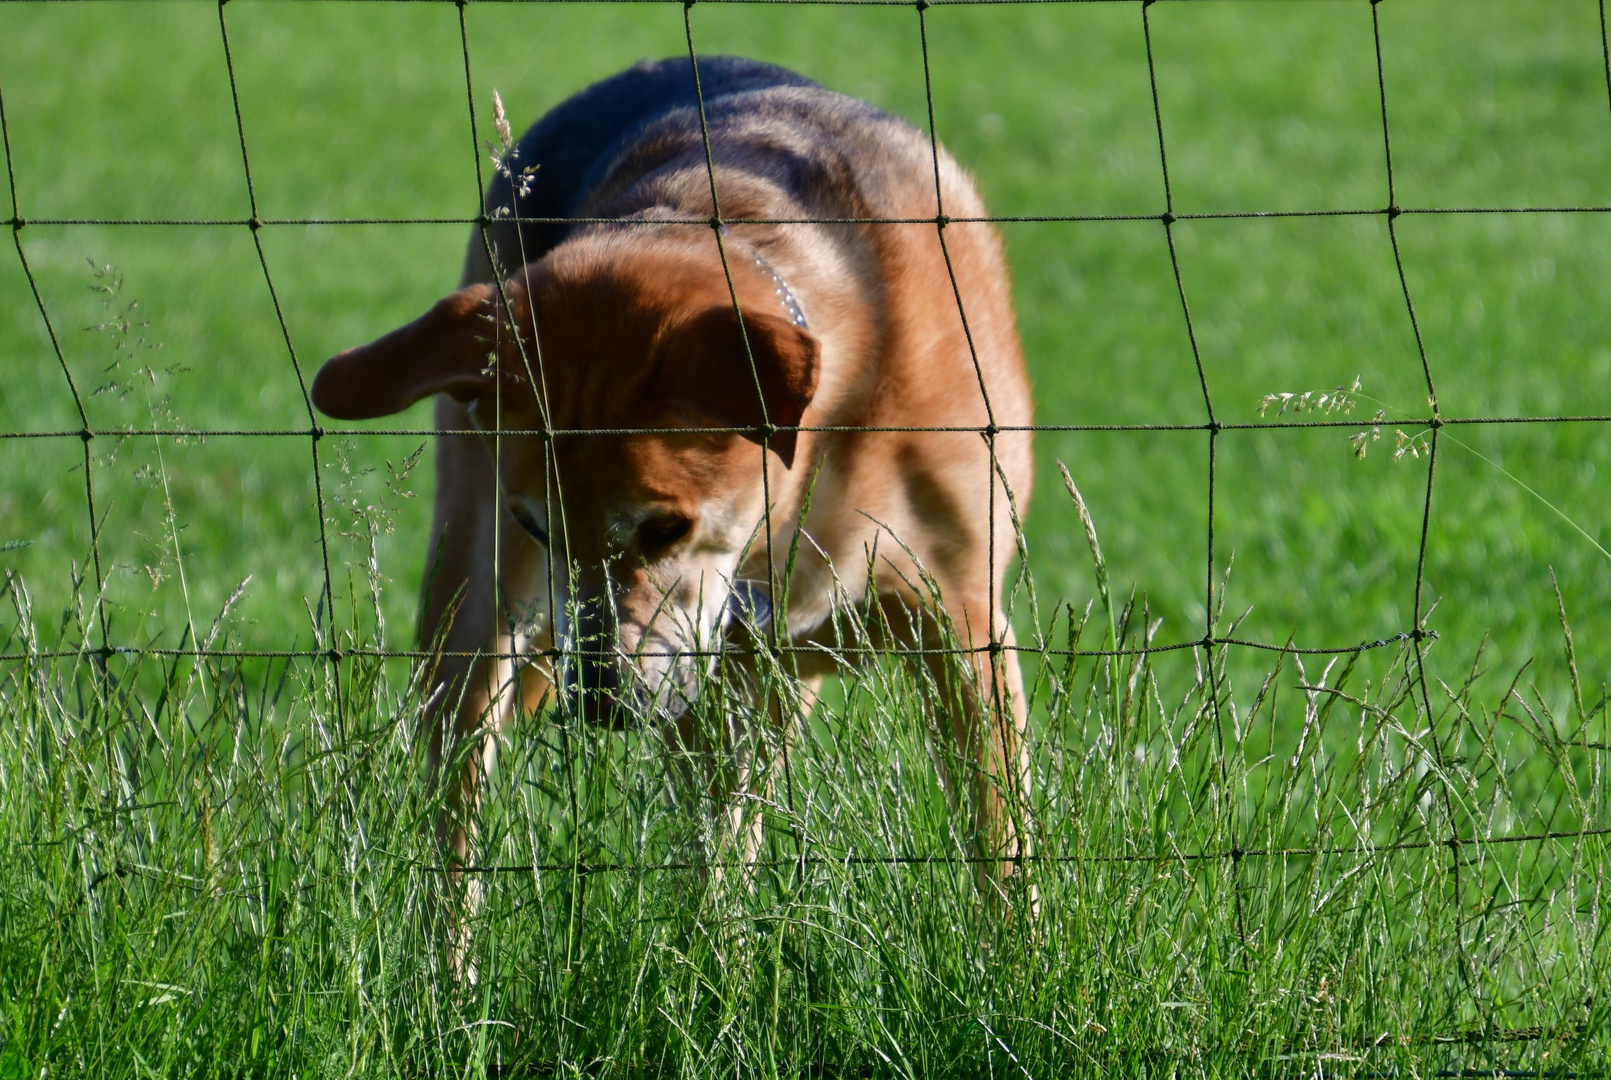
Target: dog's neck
{"points": [[785, 295]]}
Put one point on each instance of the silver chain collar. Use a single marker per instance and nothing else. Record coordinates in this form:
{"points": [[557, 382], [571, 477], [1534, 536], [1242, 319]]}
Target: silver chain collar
{"points": [[785, 294]]}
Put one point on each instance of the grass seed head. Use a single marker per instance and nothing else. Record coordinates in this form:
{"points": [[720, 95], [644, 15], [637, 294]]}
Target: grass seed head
{"points": [[500, 122]]}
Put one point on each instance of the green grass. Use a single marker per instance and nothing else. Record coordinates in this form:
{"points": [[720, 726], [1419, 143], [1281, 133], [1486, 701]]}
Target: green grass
{"points": [[229, 876], [277, 905]]}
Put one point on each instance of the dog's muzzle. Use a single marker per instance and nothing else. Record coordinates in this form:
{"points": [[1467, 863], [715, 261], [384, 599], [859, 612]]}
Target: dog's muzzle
{"points": [[616, 686]]}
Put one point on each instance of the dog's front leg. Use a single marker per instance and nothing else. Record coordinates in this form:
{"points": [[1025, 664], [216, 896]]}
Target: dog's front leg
{"points": [[459, 620], [730, 762], [712, 765], [761, 753], [477, 679], [488, 688]]}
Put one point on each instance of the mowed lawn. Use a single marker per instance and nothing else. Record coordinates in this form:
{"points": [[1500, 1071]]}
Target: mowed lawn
{"points": [[204, 897]]}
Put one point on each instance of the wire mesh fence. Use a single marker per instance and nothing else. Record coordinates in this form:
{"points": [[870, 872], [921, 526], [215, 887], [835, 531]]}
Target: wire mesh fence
{"points": [[1210, 642], [1211, 427]]}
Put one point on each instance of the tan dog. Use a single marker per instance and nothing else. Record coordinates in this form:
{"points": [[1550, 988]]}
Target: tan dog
{"points": [[642, 551]]}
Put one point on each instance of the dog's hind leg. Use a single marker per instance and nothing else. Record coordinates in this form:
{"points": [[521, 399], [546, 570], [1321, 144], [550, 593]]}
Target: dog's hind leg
{"points": [[980, 697], [488, 689]]}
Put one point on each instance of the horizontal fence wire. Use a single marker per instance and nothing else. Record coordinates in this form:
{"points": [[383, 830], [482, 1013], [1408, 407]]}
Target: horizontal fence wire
{"points": [[779, 649], [987, 219], [813, 856], [776, 429], [1232, 854], [1212, 427]]}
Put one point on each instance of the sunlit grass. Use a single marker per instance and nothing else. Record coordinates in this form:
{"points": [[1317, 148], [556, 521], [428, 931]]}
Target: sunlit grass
{"points": [[225, 869]]}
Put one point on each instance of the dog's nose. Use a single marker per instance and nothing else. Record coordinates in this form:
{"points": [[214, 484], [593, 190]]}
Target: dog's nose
{"points": [[750, 603]]}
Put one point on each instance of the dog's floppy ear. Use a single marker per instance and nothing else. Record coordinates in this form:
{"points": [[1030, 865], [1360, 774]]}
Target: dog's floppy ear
{"points": [[707, 370], [443, 351]]}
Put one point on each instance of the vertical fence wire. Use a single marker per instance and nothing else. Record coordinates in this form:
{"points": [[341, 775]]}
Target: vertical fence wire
{"points": [[768, 429], [1435, 422], [85, 433], [255, 224], [1214, 671], [990, 431]]}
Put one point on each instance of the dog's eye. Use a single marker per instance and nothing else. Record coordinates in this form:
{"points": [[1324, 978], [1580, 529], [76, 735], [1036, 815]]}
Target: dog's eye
{"points": [[662, 532], [525, 521]]}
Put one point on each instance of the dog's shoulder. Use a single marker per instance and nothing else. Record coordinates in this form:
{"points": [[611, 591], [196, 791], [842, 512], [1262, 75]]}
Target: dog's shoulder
{"points": [[818, 151], [827, 140]]}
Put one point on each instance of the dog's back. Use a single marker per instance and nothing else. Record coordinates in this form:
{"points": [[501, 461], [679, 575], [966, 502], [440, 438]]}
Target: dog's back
{"points": [[573, 145]]}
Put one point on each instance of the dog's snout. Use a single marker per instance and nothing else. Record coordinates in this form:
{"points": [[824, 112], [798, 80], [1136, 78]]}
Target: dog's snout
{"points": [[617, 674]]}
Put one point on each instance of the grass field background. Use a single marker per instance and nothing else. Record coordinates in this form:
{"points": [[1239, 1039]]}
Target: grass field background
{"points": [[359, 112], [124, 111]]}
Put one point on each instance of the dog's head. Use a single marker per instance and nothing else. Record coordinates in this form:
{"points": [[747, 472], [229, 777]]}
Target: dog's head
{"points": [[629, 350]]}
